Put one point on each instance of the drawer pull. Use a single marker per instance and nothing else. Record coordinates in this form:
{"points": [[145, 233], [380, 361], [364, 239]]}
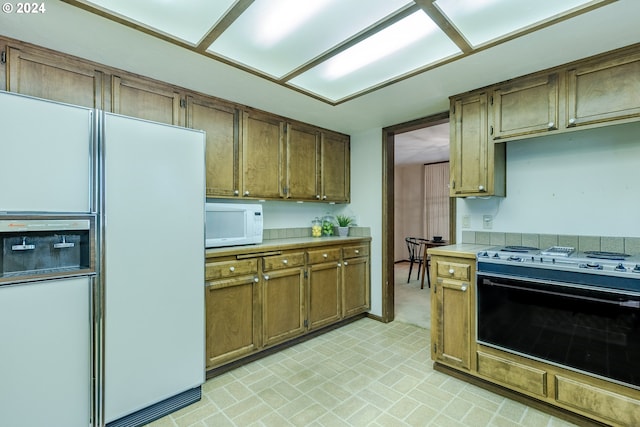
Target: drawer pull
{"points": [[346, 263], [357, 251], [340, 265], [463, 288], [256, 279], [284, 261], [325, 255], [551, 125], [266, 277], [232, 269], [451, 271]]}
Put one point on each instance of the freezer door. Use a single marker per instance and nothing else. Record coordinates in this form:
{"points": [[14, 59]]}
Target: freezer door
{"points": [[45, 155], [45, 357], [154, 256]]}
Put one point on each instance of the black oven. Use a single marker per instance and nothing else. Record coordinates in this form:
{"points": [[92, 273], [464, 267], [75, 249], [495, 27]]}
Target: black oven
{"points": [[593, 329]]}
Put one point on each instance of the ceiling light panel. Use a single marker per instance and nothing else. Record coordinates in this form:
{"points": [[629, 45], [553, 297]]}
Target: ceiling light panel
{"points": [[412, 43], [277, 36], [185, 20], [481, 21]]}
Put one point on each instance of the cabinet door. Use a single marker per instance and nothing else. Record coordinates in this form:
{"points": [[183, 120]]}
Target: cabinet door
{"points": [[221, 123], [525, 106], [283, 305], [54, 77], [335, 168], [232, 319], [302, 163], [355, 286], [145, 100], [469, 145], [262, 149], [451, 335], [324, 294], [477, 167], [604, 91]]}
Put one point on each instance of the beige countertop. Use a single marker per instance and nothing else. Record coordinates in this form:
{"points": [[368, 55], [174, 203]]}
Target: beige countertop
{"points": [[464, 250], [284, 244]]}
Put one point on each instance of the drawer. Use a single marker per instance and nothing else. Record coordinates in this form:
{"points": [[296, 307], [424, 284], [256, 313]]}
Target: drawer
{"points": [[513, 374], [355, 251], [219, 270], [278, 262], [620, 409], [324, 255], [453, 270]]}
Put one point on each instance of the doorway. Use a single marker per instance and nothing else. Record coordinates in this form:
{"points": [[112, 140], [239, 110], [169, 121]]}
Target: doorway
{"points": [[390, 241]]}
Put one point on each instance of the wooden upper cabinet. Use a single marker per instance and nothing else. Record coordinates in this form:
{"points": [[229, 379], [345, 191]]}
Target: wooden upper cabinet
{"points": [[525, 106], [54, 77], [262, 155], [142, 99], [335, 170], [301, 170], [604, 90], [221, 123], [477, 165]]}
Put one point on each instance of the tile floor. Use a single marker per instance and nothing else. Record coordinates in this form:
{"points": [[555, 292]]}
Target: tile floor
{"points": [[412, 304], [366, 373]]}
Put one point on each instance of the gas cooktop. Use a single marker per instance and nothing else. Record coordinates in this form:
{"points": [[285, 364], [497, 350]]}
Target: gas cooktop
{"points": [[565, 258]]}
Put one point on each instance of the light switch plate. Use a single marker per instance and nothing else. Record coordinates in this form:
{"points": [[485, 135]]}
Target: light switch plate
{"points": [[487, 222]]}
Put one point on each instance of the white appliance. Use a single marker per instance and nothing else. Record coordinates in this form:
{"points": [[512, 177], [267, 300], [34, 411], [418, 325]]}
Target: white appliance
{"points": [[232, 224], [152, 205], [45, 322]]}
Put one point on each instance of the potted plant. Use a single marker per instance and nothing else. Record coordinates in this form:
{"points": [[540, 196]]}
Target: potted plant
{"points": [[344, 222]]}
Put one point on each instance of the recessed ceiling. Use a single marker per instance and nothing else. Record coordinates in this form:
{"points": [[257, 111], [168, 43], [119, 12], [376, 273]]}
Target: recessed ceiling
{"points": [[337, 50]]}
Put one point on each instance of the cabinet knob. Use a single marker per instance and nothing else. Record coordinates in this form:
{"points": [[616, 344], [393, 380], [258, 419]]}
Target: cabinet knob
{"points": [[325, 256], [463, 288], [357, 252], [236, 192], [256, 279], [246, 193], [572, 121], [346, 263], [324, 197], [551, 125], [232, 269], [451, 271], [339, 265], [266, 277], [284, 261], [480, 187], [318, 196]]}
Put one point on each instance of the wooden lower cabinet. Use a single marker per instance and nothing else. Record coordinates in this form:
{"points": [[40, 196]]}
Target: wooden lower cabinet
{"points": [[355, 291], [454, 346], [452, 321], [324, 287], [283, 301], [260, 298], [232, 316]]}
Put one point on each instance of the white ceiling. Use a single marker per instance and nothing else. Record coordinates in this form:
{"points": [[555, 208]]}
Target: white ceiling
{"points": [[426, 145], [79, 32]]}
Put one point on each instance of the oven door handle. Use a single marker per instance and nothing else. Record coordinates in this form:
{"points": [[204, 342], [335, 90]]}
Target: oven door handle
{"points": [[623, 303]]}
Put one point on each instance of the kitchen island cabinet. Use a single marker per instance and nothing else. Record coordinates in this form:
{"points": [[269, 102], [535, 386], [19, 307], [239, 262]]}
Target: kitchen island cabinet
{"points": [[452, 308], [575, 395], [263, 296]]}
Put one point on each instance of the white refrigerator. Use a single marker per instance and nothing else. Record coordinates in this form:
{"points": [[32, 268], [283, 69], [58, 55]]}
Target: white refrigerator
{"points": [[152, 179]]}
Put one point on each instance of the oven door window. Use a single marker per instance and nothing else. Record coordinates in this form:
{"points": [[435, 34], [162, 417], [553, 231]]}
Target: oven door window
{"points": [[589, 330]]}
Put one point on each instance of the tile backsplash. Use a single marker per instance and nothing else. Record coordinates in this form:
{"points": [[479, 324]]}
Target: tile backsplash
{"points": [[629, 245], [292, 233]]}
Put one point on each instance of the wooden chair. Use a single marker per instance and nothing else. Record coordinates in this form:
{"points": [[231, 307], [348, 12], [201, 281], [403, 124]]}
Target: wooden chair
{"points": [[416, 247]]}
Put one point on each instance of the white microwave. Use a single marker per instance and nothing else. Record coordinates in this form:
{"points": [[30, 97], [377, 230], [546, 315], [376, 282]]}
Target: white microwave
{"points": [[231, 224]]}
